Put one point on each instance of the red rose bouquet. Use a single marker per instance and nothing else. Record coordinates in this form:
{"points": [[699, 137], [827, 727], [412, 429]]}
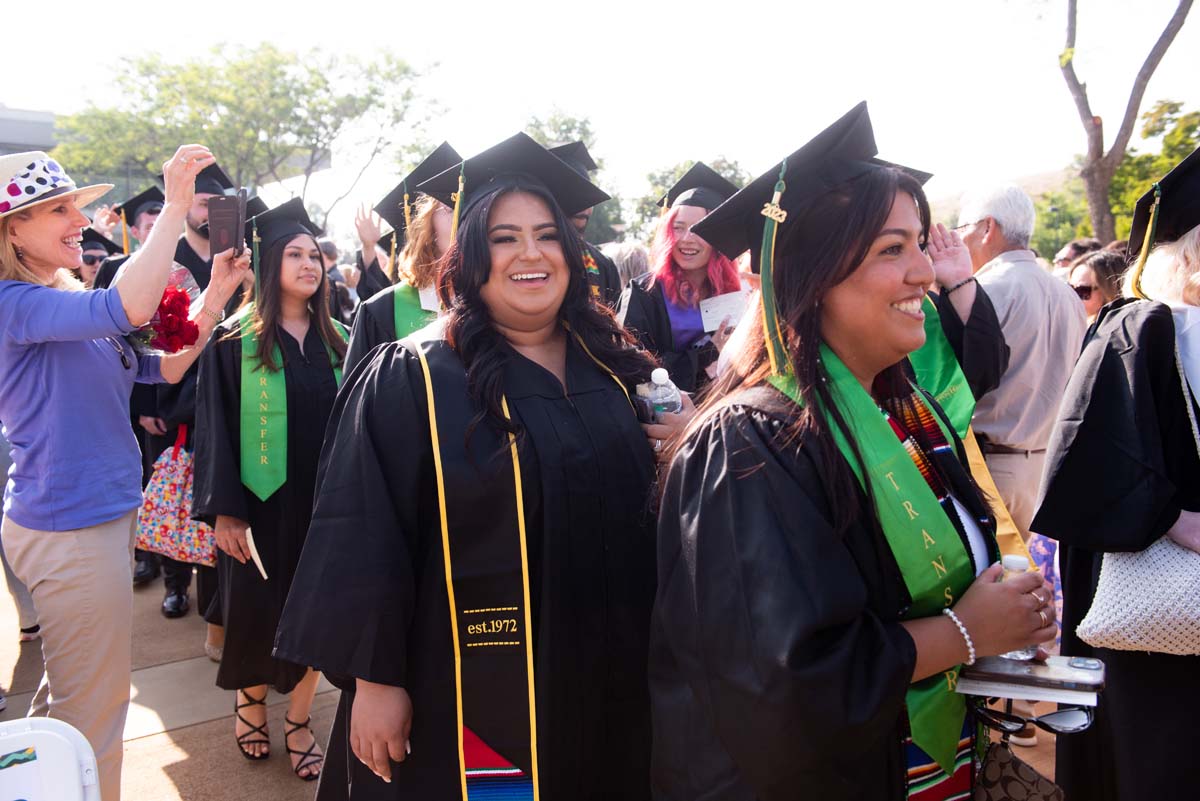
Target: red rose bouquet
{"points": [[169, 330]]}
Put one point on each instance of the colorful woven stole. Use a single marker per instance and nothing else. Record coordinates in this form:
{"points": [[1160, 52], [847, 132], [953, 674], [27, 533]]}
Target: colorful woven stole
{"points": [[264, 414], [931, 556], [480, 491], [593, 273], [407, 314]]}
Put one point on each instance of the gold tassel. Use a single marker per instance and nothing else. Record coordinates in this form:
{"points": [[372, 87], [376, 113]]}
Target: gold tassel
{"points": [[1147, 243], [458, 198], [124, 232], [392, 258], [407, 212]]}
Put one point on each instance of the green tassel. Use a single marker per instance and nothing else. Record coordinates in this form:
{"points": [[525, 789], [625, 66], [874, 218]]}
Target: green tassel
{"points": [[1147, 243], [780, 363]]}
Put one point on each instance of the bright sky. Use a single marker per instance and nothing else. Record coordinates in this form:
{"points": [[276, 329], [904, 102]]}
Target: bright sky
{"points": [[967, 89]]}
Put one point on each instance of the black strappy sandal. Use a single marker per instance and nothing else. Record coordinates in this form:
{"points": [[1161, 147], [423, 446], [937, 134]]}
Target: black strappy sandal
{"points": [[307, 758], [250, 738]]}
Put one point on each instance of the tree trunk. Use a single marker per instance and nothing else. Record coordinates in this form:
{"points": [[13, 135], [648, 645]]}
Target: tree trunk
{"points": [[1096, 182], [1098, 166]]}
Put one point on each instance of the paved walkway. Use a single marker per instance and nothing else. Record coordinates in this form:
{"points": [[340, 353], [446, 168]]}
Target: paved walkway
{"points": [[179, 742]]}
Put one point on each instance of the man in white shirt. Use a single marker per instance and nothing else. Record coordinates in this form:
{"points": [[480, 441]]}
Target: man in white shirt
{"points": [[1043, 322]]}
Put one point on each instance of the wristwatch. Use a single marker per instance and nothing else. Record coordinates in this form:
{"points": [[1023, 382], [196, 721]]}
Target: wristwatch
{"points": [[217, 317]]}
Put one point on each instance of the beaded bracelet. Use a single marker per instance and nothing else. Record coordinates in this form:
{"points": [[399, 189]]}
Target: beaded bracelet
{"points": [[960, 285], [948, 612]]}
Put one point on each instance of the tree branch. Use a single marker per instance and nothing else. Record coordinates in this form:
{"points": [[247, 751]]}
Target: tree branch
{"points": [[1078, 91], [1121, 141], [381, 143]]}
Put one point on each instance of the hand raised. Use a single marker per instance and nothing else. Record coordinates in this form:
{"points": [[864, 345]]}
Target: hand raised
{"points": [[369, 228], [950, 257], [180, 171], [228, 273]]}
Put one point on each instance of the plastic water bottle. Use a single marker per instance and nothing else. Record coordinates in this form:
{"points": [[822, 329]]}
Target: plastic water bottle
{"points": [[664, 394], [1015, 565]]}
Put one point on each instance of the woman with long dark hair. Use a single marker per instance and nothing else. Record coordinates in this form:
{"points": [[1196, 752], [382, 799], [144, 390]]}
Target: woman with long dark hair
{"points": [[265, 392], [498, 586], [823, 551], [662, 307], [421, 232]]}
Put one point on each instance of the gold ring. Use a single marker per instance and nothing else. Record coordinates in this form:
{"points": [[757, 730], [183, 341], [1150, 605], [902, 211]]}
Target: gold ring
{"points": [[1042, 615], [1041, 601]]}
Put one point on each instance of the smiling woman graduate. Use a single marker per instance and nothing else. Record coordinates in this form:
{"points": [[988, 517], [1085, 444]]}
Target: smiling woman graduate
{"points": [[662, 308], [264, 395], [823, 552], [490, 607]]}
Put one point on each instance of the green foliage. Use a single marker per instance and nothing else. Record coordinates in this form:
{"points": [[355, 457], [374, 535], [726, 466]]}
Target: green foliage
{"points": [[647, 209], [1180, 135], [267, 114], [1062, 215], [559, 127]]}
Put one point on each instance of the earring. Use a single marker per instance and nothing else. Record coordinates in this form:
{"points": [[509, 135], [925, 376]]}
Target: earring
{"points": [[20, 253]]}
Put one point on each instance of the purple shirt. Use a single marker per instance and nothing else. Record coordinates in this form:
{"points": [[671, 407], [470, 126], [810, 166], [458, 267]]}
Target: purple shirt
{"points": [[64, 403], [687, 325]]}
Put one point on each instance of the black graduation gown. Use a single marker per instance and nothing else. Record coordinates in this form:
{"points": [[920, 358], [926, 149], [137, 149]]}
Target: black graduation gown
{"points": [[1120, 466], [249, 607], [370, 598], [643, 311], [607, 281], [375, 324], [372, 280], [778, 665], [978, 343]]}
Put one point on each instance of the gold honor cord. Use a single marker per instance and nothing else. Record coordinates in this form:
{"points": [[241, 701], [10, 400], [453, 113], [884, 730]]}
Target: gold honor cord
{"points": [[442, 518], [600, 364], [780, 363], [391, 268], [124, 232], [1151, 226], [457, 197], [254, 242], [516, 462]]}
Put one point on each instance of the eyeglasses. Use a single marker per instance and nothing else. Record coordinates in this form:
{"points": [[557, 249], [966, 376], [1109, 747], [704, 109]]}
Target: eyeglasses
{"points": [[1083, 291], [94, 258], [1065, 721], [120, 351]]}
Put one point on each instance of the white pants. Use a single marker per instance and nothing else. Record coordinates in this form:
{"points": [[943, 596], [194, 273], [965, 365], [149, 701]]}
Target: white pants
{"points": [[81, 583]]}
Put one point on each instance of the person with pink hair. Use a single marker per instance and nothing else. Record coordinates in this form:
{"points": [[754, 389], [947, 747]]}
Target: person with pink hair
{"points": [[662, 307]]}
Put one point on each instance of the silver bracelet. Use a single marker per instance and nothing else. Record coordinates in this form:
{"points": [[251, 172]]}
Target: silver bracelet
{"points": [[948, 612]]}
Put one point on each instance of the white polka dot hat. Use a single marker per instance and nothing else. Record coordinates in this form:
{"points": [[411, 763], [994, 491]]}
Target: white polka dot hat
{"points": [[27, 179]]}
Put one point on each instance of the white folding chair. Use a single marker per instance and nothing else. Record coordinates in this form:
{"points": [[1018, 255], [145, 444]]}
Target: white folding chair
{"points": [[43, 759]]}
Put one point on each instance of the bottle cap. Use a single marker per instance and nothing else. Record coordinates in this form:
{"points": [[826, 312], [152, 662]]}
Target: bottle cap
{"points": [[1015, 563], [660, 376]]}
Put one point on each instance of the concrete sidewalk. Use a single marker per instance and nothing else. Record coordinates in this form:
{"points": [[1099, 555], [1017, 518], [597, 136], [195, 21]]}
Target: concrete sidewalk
{"points": [[179, 743]]}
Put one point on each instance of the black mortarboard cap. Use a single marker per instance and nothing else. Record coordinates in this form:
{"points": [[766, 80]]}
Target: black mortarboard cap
{"points": [[700, 186], [391, 208], [212, 180], [841, 152], [577, 157], [255, 206], [94, 238], [517, 158], [148, 200], [1178, 206], [285, 220]]}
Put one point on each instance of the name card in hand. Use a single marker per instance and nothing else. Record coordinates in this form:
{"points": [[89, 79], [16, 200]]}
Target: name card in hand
{"points": [[717, 308]]}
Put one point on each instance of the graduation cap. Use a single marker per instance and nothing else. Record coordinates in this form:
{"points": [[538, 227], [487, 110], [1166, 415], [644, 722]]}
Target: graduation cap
{"points": [[700, 186], [255, 206], [396, 205], [285, 220], [1168, 211], [576, 156], [212, 180], [843, 151], [93, 239], [147, 201], [518, 159]]}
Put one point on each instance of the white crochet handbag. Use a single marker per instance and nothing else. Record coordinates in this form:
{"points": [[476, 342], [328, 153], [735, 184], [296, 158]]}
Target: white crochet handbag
{"points": [[1149, 600]]}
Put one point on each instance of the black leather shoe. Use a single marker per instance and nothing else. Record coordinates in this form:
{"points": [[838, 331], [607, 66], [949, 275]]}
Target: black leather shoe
{"points": [[175, 604], [144, 573]]}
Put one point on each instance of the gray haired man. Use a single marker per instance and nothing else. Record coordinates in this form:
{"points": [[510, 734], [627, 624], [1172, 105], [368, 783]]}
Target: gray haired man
{"points": [[1043, 323]]}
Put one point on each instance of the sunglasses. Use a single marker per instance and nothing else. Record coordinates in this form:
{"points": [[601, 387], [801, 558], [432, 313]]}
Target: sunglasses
{"points": [[1083, 291], [1065, 721], [94, 258]]}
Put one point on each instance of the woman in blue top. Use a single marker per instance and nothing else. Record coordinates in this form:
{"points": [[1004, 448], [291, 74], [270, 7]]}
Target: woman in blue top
{"points": [[65, 377]]}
